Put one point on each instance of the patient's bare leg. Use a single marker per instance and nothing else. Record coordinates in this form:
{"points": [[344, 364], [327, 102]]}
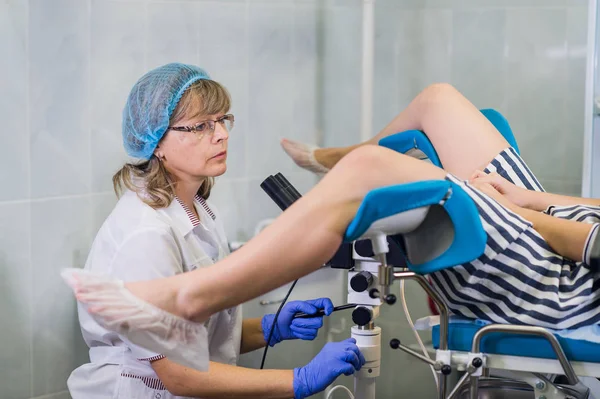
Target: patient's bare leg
{"points": [[300, 240], [463, 138]]}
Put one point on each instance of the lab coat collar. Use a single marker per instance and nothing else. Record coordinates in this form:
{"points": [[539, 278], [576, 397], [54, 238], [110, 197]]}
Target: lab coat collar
{"points": [[186, 220], [181, 219]]}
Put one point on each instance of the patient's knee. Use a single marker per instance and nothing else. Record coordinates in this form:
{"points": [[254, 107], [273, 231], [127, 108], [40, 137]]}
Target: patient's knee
{"points": [[370, 162], [438, 92], [364, 158]]}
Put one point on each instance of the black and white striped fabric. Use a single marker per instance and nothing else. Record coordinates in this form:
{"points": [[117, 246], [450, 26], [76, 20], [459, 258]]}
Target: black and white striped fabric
{"points": [[579, 213], [509, 165], [519, 279]]}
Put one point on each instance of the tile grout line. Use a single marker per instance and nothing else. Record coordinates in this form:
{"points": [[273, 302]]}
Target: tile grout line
{"points": [[29, 190], [247, 88], [55, 198], [90, 106], [50, 395], [146, 34]]}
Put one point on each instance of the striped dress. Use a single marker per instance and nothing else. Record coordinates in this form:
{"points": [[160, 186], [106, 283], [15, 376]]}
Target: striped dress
{"points": [[519, 279]]}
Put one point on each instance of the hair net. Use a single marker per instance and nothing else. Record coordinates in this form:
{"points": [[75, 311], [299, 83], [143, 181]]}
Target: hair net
{"points": [[151, 103]]}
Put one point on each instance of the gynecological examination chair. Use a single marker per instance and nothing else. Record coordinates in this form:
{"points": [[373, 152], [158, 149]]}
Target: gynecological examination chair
{"points": [[407, 231]]}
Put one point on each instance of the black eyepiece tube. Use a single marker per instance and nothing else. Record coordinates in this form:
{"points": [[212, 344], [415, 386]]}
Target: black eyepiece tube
{"points": [[272, 189], [280, 190], [284, 195], [287, 184]]}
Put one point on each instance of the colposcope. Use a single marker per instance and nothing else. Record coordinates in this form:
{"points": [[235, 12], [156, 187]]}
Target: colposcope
{"points": [[370, 277]]}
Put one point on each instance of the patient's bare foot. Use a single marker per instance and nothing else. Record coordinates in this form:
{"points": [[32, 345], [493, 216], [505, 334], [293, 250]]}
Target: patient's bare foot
{"points": [[305, 156], [148, 313]]}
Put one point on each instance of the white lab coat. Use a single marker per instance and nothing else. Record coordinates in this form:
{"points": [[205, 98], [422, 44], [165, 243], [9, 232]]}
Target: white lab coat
{"points": [[137, 242]]}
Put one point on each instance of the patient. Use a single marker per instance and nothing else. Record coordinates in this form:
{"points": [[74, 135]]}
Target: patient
{"points": [[526, 275], [533, 271]]}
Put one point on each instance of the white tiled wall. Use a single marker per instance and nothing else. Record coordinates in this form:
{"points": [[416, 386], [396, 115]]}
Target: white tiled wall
{"points": [[293, 68], [66, 71], [525, 58]]}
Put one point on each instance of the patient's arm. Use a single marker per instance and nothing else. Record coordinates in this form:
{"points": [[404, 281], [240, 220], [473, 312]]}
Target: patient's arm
{"points": [[534, 200], [566, 237], [539, 201]]}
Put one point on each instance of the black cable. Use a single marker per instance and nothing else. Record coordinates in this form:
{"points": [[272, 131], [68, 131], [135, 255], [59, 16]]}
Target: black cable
{"points": [[262, 363], [284, 195], [321, 312]]}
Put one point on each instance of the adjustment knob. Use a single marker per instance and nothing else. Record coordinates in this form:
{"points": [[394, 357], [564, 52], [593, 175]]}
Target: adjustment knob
{"points": [[390, 299], [361, 281], [362, 316], [364, 248], [374, 293], [446, 370], [395, 343], [477, 362]]}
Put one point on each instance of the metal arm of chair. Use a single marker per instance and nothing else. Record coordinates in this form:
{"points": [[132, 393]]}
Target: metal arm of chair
{"points": [[528, 330], [525, 330], [443, 308], [444, 318]]}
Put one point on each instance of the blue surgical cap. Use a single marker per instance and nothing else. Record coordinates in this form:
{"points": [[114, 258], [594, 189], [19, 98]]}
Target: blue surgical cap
{"points": [[151, 103]]}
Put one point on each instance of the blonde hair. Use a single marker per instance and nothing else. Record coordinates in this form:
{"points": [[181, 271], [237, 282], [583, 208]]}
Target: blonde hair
{"points": [[150, 180]]}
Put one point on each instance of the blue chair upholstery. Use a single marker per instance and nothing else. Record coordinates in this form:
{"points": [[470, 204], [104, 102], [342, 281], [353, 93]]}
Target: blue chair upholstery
{"points": [[469, 238], [460, 338], [407, 140]]}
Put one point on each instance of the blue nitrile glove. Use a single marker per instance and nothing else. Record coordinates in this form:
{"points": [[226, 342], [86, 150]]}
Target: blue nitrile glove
{"points": [[335, 359], [289, 328]]}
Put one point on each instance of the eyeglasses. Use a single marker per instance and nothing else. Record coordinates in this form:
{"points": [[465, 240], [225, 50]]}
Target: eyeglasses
{"points": [[208, 126]]}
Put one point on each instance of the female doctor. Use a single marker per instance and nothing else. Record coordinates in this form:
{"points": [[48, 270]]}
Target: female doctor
{"points": [[176, 121]]}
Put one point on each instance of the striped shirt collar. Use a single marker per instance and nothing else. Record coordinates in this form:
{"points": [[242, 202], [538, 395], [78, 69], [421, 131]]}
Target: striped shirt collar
{"points": [[187, 220], [192, 215]]}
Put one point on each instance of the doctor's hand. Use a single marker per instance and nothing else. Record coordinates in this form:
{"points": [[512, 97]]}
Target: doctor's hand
{"points": [[289, 328], [335, 359]]}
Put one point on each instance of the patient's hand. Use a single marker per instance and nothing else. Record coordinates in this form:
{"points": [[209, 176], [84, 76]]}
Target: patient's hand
{"points": [[493, 193], [516, 195], [503, 200]]}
